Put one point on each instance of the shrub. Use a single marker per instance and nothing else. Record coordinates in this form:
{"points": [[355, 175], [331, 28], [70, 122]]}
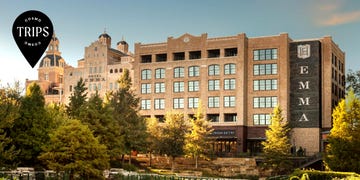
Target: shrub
{"points": [[323, 175]]}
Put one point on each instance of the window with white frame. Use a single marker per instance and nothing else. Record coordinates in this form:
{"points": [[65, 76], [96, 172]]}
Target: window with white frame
{"points": [[193, 86], [146, 74], [262, 119], [146, 88], [229, 101], [265, 54], [178, 72], [159, 87], [265, 69], [214, 70], [229, 69], [178, 103], [265, 85], [159, 103], [160, 73], [179, 86], [214, 85], [145, 104], [194, 71], [193, 102], [265, 102], [229, 84], [213, 101]]}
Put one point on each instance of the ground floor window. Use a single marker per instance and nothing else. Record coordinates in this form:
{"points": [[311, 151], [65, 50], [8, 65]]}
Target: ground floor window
{"points": [[225, 147], [254, 146]]}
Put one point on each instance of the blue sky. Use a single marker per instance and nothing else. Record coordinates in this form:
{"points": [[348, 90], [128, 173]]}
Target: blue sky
{"points": [[78, 23]]}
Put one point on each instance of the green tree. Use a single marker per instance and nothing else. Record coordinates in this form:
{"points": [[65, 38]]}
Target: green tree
{"points": [[9, 111], [99, 117], [77, 99], [343, 150], [172, 139], [153, 139], [353, 81], [277, 144], [197, 141], [75, 150], [30, 130], [126, 105]]}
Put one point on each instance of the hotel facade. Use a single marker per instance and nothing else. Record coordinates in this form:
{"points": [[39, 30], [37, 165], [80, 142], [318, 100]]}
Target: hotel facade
{"points": [[238, 79]]}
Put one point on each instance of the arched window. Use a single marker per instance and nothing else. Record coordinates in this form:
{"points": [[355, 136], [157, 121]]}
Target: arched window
{"points": [[111, 70], [116, 71]]}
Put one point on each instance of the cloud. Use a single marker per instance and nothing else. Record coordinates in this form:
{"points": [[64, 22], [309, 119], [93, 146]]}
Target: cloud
{"points": [[332, 14], [341, 18]]}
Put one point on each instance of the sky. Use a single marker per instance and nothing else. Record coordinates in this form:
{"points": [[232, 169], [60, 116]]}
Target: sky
{"points": [[79, 23]]}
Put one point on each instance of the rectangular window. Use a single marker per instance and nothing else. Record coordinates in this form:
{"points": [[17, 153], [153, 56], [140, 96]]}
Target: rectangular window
{"points": [[265, 85], [195, 55], [178, 103], [145, 104], [265, 102], [111, 86], [214, 53], [193, 86], [159, 103], [213, 101], [231, 52], [230, 117], [229, 69], [262, 119], [146, 59], [179, 86], [194, 71], [145, 88], [161, 57], [146, 74], [229, 101], [159, 87], [193, 102], [213, 117], [229, 84], [214, 70], [178, 72], [214, 85], [179, 56], [265, 54], [160, 73], [265, 69]]}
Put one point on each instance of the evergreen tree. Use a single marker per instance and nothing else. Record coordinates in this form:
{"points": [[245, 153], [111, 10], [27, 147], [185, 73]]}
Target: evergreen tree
{"points": [[277, 144], [172, 139], [75, 150], [9, 111], [343, 150], [30, 130], [197, 142], [99, 117], [126, 105], [77, 99]]}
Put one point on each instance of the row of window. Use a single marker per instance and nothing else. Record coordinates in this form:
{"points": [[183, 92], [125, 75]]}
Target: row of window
{"points": [[95, 70], [265, 54], [94, 86], [116, 70], [193, 102], [193, 71], [265, 102], [179, 56]]}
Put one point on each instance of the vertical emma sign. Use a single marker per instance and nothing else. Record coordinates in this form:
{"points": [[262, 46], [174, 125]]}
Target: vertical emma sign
{"points": [[305, 77]]}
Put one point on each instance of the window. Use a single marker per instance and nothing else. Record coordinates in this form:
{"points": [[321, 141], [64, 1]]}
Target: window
{"points": [[159, 87], [193, 102], [160, 73], [89, 88], [179, 56], [213, 101], [111, 71], [214, 70], [213, 117], [230, 117], [146, 59], [111, 86], [116, 84], [178, 72], [159, 103], [229, 69], [178, 103], [179, 86], [161, 57], [46, 76], [229, 84], [265, 54], [229, 101], [99, 86], [214, 85], [262, 119], [195, 55], [146, 74], [161, 118], [193, 71], [94, 87], [231, 52], [145, 88], [193, 86], [116, 70], [265, 85], [145, 104], [265, 102], [265, 69], [214, 53]]}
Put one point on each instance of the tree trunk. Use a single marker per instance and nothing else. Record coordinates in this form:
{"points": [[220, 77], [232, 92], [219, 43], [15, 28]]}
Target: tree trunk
{"points": [[173, 164], [130, 157], [150, 159], [196, 162], [122, 159]]}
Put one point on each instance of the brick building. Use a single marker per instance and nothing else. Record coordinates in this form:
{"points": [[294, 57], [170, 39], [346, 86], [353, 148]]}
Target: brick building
{"points": [[239, 81]]}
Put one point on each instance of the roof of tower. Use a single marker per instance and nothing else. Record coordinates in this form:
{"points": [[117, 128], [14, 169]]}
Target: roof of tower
{"points": [[105, 35], [122, 42], [54, 60]]}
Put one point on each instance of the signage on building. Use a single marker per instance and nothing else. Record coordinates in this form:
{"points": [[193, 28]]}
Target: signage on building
{"points": [[223, 133], [305, 86]]}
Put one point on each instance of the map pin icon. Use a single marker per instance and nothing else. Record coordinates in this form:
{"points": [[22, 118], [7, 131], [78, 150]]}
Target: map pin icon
{"points": [[32, 31]]}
